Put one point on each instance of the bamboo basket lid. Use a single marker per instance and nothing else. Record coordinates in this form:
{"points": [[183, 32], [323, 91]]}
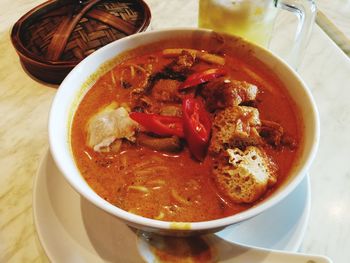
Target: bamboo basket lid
{"points": [[55, 36]]}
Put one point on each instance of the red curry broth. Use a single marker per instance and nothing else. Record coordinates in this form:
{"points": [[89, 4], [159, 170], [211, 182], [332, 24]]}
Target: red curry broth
{"points": [[167, 175]]}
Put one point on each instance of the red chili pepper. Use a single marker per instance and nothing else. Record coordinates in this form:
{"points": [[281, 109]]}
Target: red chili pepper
{"points": [[201, 77], [159, 124], [197, 126]]}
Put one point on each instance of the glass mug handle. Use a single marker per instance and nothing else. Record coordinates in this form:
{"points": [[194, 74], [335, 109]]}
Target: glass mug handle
{"points": [[305, 10]]}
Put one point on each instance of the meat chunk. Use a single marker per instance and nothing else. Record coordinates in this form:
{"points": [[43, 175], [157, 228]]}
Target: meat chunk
{"points": [[165, 144], [166, 90], [222, 92], [271, 132], [200, 54], [235, 126], [183, 62], [244, 176], [274, 134], [142, 103], [108, 125]]}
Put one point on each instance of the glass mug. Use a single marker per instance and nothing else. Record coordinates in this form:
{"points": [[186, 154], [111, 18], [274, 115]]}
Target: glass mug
{"points": [[253, 20]]}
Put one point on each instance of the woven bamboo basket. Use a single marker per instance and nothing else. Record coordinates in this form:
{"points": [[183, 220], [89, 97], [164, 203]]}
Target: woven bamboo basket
{"points": [[55, 36]]}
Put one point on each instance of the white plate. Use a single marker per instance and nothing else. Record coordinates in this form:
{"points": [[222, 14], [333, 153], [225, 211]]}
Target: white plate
{"points": [[73, 230]]}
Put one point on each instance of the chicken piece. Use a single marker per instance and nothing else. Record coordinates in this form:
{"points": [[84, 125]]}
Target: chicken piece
{"points": [[108, 125], [222, 92], [244, 176], [271, 132], [164, 144], [166, 90], [183, 62], [274, 134], [143, 104], [235, 126], [200, 54]]}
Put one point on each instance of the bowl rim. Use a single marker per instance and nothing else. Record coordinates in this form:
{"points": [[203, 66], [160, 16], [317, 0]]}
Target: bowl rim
{"points": [[168, 225]]}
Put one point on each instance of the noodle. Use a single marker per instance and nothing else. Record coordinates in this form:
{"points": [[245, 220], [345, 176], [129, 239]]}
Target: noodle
{"points": [[160, 216], [144, 164], [179, 198], [113, 77], [157, 182], [151, 171], [140, 188]]}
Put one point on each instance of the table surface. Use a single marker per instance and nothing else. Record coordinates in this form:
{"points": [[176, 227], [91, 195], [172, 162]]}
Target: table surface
{"points": [[334, 17], [25, 102]]}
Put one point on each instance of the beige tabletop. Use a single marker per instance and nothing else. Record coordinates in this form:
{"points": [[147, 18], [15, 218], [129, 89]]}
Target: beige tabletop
{"points": [[25, 103]]}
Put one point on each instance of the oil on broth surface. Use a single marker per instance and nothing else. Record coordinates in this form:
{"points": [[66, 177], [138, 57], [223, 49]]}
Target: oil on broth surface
{"points": [[168, 186]]}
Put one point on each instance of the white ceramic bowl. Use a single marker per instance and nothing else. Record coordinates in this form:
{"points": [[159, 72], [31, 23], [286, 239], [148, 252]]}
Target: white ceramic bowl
{"points": [[75, 85]]}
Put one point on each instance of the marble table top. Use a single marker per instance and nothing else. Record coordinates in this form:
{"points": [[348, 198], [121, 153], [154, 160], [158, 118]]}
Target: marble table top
{"points": [[334, 18], [25, 103]]}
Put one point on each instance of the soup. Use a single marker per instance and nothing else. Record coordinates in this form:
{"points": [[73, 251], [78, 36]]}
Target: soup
{"points": [[185, 135]]}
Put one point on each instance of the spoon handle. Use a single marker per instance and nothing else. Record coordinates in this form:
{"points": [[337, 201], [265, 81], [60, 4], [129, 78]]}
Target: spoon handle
{"points": [[234, 253], [215, 249]]}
